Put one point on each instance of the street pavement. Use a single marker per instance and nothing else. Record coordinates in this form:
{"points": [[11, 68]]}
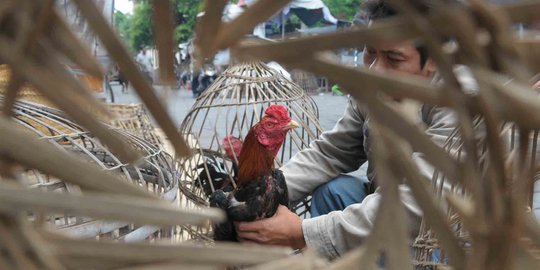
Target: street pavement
{"points": [[179, 103]]}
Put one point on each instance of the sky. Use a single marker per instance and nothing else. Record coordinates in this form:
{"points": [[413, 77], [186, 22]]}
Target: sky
{"points": [[125, 6]]}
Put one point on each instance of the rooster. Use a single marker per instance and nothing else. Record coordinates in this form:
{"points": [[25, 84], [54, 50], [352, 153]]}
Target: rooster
{"points": [[260, 188]]}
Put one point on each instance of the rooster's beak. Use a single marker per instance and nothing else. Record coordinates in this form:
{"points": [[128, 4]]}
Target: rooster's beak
{"points": [[293, 124]]}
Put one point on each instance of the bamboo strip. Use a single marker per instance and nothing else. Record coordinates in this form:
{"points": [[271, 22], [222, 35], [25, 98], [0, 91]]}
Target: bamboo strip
{"points": [[208, 28], [171, 266], [24, 148], [64, 41], [103, 206], [66, 93], [86, 262], [130, 70], [307, 260], [504, 56], [14, 248], [522, 11], [383, 31], [391, 30], [456, 96], [529, 49], [26, 45], [390, 118], [135, 253], [34, 240], [10, 97], [397, 85], [434, 216], [261, 10], [532, 229], [396, 240], [164, 32], [467, 211], [525, 258], [4, 264], [514, 100]]}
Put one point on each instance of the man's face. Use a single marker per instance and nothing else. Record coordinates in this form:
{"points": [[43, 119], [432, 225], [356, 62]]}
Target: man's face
{"points": [[402, 57]]}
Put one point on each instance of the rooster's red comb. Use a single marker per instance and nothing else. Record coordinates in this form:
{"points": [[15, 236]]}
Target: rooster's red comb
{"points": [[278, 112], [232, 145]]}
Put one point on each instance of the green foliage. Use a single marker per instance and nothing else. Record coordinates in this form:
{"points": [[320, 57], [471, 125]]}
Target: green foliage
{"points": [[137, 29], [186, 17], [122, 23], [343, 9], [140, 31]]}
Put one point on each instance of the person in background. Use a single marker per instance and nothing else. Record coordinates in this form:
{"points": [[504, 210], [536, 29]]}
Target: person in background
{"points": [[145, 63]]}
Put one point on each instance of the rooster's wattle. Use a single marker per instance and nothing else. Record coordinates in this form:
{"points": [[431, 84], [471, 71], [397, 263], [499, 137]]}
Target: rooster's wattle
{"points": [[260, 188]]}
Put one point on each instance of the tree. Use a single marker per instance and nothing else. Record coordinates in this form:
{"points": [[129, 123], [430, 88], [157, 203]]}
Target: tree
{"points": [[137, 29], [140, 31], [186, 17], [343, 9], [122, 22]]}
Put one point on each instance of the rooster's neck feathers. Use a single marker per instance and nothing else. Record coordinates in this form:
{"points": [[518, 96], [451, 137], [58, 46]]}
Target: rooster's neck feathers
{"points": [[262, 144], [255, 160]]}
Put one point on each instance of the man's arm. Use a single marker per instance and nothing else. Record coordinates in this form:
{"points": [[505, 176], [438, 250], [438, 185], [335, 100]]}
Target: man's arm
{"points": [[337, 151], [333, 234]]}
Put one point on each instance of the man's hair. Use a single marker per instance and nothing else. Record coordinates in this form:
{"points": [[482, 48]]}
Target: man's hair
{"points": [[373, 10], [377, 9]]}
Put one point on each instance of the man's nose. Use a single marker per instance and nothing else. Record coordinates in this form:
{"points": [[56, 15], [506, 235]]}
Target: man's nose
{"points": [[377, 65]]}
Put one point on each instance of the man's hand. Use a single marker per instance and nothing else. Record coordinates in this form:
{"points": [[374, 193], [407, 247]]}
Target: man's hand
{"points": [[283, 229]]}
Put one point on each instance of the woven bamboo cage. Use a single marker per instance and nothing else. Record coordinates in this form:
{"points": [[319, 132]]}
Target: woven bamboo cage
{"points": [[156, 172], [428, 253], [307, 81], [135, 119], [231, 105]]}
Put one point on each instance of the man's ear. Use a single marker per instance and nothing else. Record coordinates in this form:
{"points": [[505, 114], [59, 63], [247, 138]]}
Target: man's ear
{"points": [[429, 68]]}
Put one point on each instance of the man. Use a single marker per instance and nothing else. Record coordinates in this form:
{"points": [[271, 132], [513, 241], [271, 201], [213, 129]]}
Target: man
{"points": [[145, 62], [342, 150]]}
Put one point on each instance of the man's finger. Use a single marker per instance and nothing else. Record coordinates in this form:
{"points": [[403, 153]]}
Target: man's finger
{"points": [[249, 237], [253, 226]]}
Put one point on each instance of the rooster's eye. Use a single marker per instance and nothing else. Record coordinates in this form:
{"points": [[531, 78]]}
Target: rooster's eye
{"points": [[270, 125]]}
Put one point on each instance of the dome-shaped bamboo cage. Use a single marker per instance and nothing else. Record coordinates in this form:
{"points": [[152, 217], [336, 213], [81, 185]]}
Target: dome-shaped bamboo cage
{"points": [[156, 172], [25, 92], [134, 119], [231, 105]]}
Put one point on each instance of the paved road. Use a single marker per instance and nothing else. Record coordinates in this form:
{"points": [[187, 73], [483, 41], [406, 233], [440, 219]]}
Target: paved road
{"points": [[180, 102]]}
